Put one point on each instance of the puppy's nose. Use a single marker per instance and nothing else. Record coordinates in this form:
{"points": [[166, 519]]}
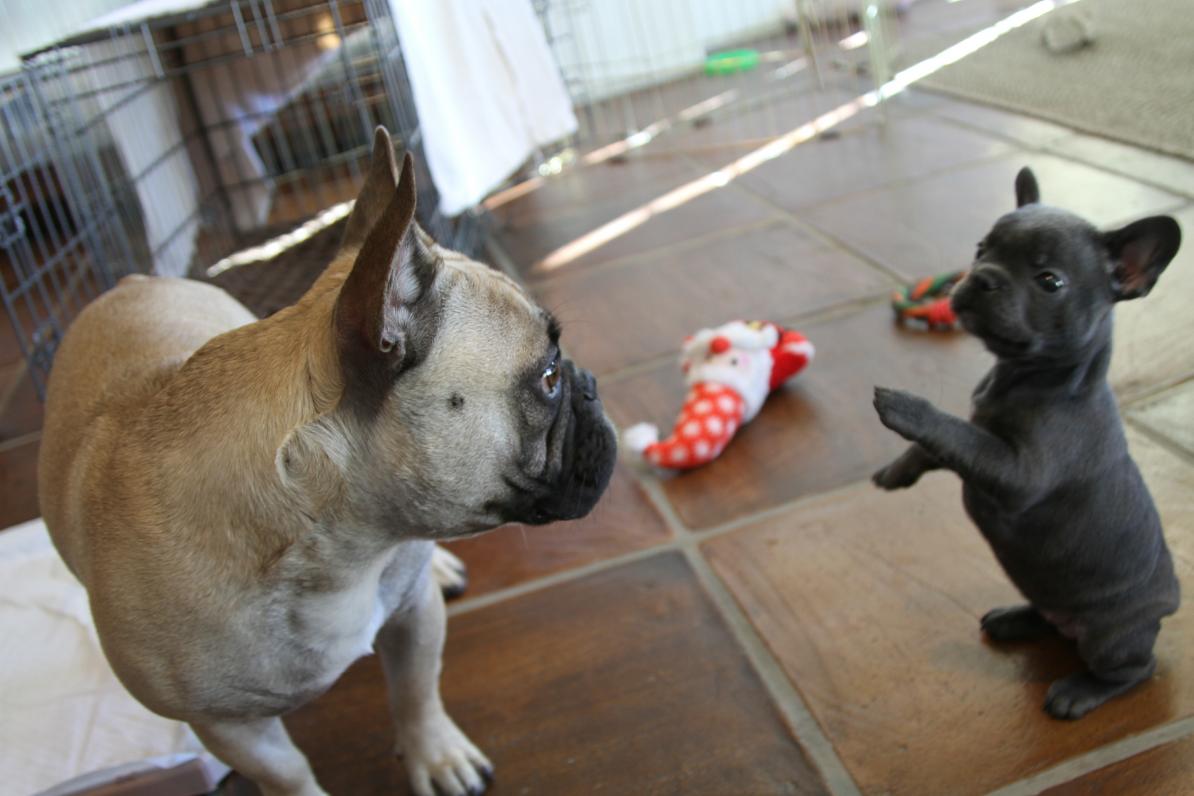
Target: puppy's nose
{"points": [[987, 279]]}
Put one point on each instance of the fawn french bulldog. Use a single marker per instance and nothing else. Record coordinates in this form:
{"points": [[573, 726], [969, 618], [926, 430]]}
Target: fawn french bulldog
{"points": [[254, 504]]}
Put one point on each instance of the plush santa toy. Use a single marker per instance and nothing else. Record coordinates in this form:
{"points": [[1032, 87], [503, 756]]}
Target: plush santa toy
{"points": [[730, 371]]}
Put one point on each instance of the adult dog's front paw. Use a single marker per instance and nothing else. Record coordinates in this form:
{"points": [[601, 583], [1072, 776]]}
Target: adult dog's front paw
{"points": [[440, 759], [450, 572], [902, 412]]}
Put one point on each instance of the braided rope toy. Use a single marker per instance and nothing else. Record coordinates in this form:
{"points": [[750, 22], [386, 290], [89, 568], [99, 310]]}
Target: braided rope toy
{"points": [[927, 301]]}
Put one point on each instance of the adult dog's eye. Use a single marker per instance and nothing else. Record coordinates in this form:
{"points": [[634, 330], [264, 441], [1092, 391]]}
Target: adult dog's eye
{"points": [[551, 378], [1049, 281]]}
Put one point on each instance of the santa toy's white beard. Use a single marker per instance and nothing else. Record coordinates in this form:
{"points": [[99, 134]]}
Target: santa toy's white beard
{"points": [[752, 385]]}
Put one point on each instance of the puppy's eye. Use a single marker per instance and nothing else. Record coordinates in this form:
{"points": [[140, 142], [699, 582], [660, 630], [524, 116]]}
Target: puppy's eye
{"points": [[551, 377], [980, 249], [1050, 282]]}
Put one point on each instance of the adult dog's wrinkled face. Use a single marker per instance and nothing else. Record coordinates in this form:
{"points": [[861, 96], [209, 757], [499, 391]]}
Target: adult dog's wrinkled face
{"points": [[1044, 280], [459, 410]]}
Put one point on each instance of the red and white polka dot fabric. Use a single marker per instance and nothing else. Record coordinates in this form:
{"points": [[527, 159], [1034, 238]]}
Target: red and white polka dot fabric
{"points": [[730, 370], [707, 422]]}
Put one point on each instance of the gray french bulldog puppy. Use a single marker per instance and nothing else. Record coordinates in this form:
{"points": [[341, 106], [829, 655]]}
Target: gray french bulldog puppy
{"points": [[1045, 466]]}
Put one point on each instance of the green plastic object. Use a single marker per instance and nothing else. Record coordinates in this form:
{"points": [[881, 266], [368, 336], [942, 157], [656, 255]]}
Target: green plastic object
{"points": [[731, 61]]}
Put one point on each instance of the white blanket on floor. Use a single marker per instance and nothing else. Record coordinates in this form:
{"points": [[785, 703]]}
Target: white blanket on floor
{"points": [[63, 713], [487, 91]]}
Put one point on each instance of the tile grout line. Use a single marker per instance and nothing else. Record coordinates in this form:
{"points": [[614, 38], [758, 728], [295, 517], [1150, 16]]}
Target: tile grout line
{"points": [[1056, 147], [1098, 758], [761, 515], [1145, 395], [17, 442], [779, 687], [776, 683], [679, 539], [465, 605], [941, 115], [1161, 439]]}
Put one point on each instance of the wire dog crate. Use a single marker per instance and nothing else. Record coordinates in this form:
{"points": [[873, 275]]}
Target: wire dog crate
{"points": [[164, 144], [706, 74], [172, 142]]}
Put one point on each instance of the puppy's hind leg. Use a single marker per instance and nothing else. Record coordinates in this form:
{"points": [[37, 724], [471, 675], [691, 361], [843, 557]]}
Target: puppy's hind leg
{"points": [[1017, 623], [439, 757], [261, 750], [906, 470], [1115, 666]]}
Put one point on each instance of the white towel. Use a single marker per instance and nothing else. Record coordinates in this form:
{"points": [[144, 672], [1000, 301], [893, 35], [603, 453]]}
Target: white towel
{"points": [[63, 713], [486, 89]]}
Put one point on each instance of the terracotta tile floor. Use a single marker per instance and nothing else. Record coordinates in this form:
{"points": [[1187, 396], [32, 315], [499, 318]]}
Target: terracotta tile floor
{"points": [[771, 623]]}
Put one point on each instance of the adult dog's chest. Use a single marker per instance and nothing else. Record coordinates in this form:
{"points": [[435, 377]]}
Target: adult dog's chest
{"points": [[321, 631]]}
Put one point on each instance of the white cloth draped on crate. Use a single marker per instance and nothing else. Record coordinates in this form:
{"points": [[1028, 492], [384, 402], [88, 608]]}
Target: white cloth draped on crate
{"points": [[486, 88], [66, 724]]}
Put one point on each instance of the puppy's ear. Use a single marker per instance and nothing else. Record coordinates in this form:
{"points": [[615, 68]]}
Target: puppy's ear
{"points": [[1027, 191], [376, 193], [392, 271], [1139, 253]]}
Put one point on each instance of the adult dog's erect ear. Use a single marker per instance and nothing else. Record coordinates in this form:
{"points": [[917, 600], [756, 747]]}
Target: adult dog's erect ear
{"points": [[375, 194], [392, 271], [1139, 253], [1027, 190]]}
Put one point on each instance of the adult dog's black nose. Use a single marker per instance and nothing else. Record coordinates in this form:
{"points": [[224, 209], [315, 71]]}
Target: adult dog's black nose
{"points": [[585, 382]]}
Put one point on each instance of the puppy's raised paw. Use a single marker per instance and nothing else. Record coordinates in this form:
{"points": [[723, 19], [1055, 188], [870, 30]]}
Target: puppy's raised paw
{"points": [[902, 412], [440, 759]]}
